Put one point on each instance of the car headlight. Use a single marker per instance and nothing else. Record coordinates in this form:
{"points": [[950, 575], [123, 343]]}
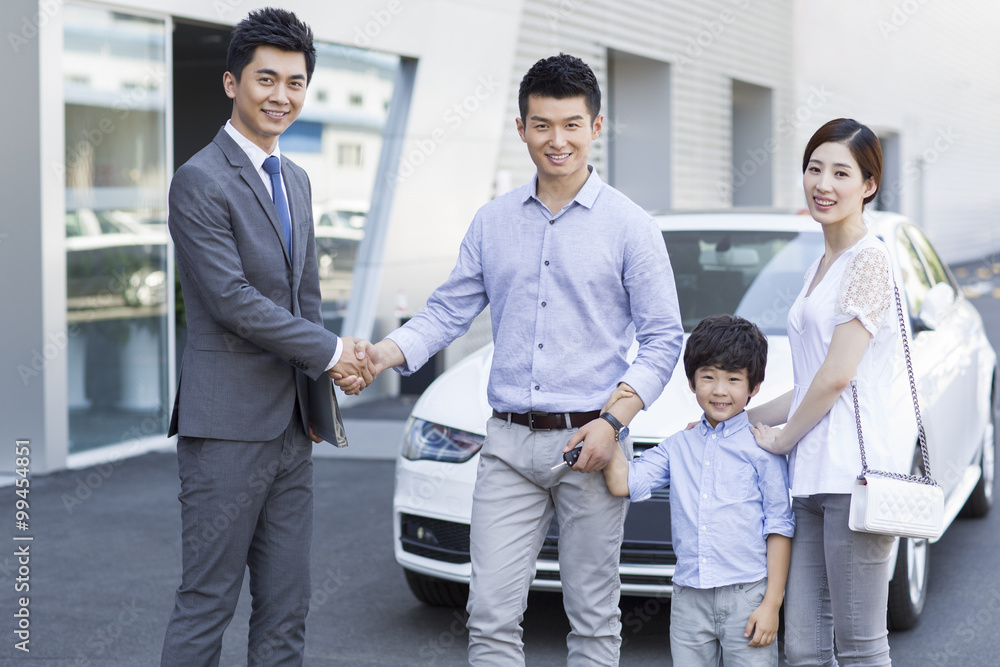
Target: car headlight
{"points": [[426, 440]]}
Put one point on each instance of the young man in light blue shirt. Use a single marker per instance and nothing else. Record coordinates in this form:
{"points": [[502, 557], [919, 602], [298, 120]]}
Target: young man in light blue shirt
{"points": [[573, 271], [729, 507]]}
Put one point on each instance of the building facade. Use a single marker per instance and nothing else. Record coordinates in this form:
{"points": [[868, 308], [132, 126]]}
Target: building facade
{"points": [[407, 129]]}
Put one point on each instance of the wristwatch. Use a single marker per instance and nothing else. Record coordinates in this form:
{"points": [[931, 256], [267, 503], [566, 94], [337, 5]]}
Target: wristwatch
{"points": [[621, 431]]}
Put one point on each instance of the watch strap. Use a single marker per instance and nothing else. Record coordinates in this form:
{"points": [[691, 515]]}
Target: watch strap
{"points": [[615, 424]]}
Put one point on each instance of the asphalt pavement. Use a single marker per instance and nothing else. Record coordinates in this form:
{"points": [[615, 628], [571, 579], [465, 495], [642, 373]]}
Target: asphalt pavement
{"points": [[95, 584]]}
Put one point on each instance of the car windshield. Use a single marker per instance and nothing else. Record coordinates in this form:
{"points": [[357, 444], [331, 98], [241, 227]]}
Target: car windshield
{"points": [[753, 274]]}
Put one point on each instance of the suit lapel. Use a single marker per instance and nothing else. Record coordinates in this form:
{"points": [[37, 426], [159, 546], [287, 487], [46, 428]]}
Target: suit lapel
{"points": [[238, 158]]}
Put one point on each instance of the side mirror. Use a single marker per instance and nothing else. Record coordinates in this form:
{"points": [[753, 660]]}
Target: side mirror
{"points": [[937, 304]]}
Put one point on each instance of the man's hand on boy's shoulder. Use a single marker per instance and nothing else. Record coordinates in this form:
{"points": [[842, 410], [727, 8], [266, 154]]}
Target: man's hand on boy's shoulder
{"points": [[762, 628]]}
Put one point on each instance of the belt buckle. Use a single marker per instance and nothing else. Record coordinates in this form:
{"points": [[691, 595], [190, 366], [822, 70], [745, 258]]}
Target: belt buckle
{"points": [[531, 421]]}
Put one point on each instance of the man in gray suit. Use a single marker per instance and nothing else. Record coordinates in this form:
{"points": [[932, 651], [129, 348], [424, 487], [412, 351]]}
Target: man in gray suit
{"points": [[241, 218]]}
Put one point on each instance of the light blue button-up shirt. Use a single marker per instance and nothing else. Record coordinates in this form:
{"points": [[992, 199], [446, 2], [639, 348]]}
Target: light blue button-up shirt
{"points": [[567, 294], [726, 496]]}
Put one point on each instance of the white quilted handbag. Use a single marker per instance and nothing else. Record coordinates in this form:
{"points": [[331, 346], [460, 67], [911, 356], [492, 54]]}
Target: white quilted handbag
{"points": [[891, 503]]}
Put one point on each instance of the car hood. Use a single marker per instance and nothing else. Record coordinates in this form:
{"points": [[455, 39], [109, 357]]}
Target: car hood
{"points": [[458, 398]]}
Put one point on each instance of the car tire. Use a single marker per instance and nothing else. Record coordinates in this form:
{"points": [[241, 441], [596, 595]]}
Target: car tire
{"points": [[981, 500], [437, 592], [908, 587]]}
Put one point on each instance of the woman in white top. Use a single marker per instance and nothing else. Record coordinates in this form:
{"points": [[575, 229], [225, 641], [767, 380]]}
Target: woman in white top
{"points": [[840, 328]]}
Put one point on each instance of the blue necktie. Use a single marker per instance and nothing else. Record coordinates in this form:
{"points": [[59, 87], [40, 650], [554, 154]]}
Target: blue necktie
{"points": [[272, 165]]}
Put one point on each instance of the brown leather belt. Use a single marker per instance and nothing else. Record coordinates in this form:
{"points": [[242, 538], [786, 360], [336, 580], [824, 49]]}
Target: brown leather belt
{"points": [[549, 421]]}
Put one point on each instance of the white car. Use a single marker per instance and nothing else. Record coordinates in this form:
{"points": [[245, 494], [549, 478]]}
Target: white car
{"points": [[750, 264]]}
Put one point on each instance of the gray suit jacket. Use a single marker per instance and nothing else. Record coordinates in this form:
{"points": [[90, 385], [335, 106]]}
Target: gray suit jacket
{"points": [[253, 313]]}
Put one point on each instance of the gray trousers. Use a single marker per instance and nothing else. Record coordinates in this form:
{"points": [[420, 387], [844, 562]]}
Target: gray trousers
{"points": [[515, 496], [243, 504], [838, 585], [707, 625]]}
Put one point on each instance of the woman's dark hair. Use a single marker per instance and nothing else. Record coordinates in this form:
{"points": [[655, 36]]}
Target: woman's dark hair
{"points": [[728, 342], [269, 27], [560, 77], [859, 139]]}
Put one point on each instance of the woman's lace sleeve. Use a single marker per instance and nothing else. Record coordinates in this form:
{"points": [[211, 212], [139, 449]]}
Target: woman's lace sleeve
{"points": [[866, 291]]}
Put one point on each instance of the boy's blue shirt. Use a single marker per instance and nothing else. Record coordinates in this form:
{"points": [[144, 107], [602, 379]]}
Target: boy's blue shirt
{"points": [[726, 496]]}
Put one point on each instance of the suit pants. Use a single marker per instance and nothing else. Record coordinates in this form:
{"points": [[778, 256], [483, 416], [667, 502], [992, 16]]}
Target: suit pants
{"points": [[243, 504], [515, 496]]}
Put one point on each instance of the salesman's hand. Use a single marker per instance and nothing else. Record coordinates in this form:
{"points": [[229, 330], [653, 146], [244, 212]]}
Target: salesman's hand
{"points": [[598, 438], [356, 367], [382, 355]]}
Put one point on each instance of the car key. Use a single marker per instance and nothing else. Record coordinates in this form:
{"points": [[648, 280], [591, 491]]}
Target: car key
{"points": [[570, 457]]}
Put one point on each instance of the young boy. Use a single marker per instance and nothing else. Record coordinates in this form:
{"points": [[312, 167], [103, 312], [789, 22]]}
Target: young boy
{"points": [[729, 506]]}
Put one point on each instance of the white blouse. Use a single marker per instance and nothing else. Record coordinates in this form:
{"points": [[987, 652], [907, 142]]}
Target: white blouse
{"points": [[858, 285]]}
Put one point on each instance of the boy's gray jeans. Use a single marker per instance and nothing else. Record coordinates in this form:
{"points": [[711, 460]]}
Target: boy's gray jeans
{"points": [[515, 496]]}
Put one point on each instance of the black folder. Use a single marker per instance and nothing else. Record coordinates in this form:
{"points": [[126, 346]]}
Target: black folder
{"points": [[324, 411]]}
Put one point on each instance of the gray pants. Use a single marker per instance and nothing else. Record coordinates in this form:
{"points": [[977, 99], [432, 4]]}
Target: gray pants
{"points": [[838, 585], [243, 504], [513, 503], [707, 625]]}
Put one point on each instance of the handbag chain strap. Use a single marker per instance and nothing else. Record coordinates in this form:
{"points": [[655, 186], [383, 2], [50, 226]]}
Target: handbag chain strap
{"points": [[926, 479]]}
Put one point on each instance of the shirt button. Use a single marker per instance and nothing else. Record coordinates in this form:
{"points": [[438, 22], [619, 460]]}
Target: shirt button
{"points": [[704, 560], [539, 346], [546, 262], [708, 463], [536, 387], [552, 222], [543, 304], [713, 436], [704, 495], [704, 527]]}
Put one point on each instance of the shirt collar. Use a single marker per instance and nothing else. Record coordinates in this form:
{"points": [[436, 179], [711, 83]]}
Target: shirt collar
{"points": [[253, 151], [731, 426], [585, 197]]}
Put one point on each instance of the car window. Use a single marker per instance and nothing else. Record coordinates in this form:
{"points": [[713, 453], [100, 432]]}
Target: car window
{"points": [[932, 263], [912, 269], [753, 274]]}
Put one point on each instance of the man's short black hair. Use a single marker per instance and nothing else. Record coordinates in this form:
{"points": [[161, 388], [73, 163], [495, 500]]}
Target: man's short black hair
{"points": [[269, 27], [730, 343], [560, 77]]}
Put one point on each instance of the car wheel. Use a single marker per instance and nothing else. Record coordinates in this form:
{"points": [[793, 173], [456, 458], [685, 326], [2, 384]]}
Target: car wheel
{"points": [[437, 592], [981, 500], [908, 588]]}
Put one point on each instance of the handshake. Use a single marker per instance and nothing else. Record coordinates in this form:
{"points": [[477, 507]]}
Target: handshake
{"points": [[362, 361]]}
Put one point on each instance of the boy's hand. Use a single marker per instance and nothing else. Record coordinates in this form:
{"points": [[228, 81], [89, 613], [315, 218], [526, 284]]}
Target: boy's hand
{"points": [[620, 392], [763, 625]]}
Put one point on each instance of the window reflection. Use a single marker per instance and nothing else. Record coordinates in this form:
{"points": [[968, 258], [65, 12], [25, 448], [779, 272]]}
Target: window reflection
{"points": [[114, 74], [337, 139]]}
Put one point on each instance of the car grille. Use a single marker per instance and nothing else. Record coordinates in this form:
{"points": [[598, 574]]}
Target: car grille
{"points": [[433, 538]]}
